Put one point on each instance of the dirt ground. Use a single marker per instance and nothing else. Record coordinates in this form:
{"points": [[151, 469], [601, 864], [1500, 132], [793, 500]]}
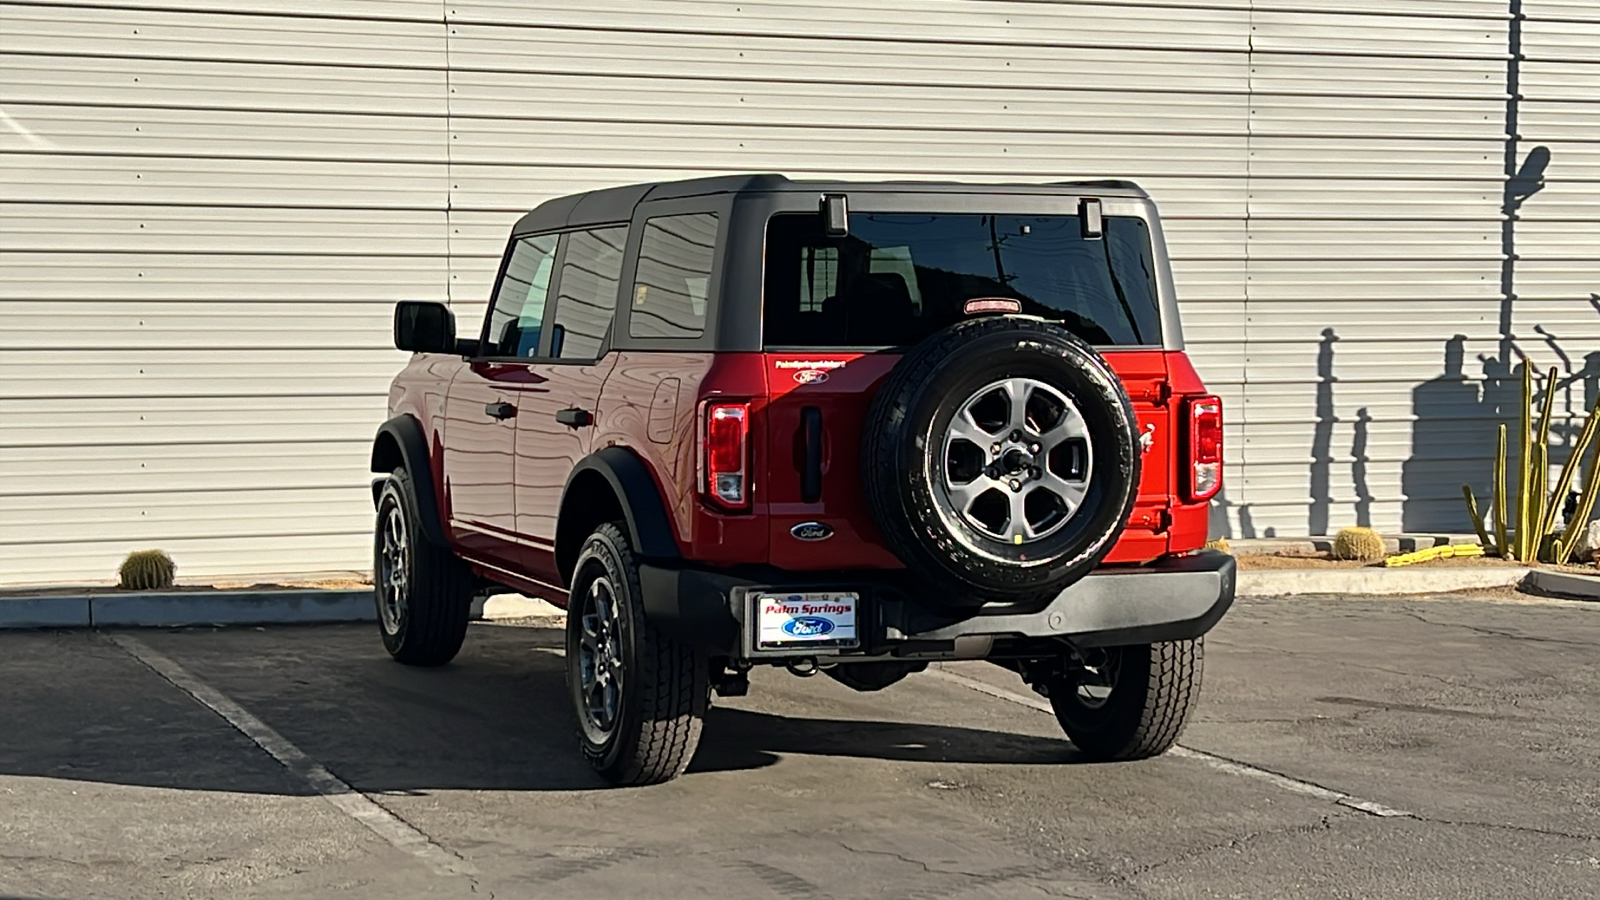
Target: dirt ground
{"points": [[340, 583], [1324, 561]]}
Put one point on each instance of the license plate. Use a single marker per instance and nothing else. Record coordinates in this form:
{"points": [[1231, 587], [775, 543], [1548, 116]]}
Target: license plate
{"points": [[817, 619]]}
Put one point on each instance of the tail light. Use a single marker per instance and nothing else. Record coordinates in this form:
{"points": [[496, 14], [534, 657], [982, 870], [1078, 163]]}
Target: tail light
{"points": [[1205, 448], [725, 454]]}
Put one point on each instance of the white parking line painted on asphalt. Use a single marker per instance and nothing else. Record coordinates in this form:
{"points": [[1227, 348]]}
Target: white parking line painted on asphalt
{"points": [[345, 798], [1221, 764]]}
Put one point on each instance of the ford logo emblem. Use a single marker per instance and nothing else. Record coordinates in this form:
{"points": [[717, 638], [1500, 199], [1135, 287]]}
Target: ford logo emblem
{"points": [[808, 626], [812, 531], [810, 376]]}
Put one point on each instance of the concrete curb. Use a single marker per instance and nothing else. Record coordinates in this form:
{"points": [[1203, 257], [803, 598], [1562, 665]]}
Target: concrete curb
{"points": [[44, 612], [188, 608], [1586, 587], [1375, 581], [132, 610]]}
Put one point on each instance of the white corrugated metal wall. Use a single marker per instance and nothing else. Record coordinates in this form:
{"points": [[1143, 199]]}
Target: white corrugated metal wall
{"points": [[209, 209]]}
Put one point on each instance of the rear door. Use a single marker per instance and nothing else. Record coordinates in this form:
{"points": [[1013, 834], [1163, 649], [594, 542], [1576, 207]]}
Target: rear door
{"points": [[556, 418], [839, 309]]}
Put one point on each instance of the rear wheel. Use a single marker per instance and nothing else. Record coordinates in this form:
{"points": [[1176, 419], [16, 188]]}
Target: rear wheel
{"points": [[423, 592], [1122, 703], [640, 696]]}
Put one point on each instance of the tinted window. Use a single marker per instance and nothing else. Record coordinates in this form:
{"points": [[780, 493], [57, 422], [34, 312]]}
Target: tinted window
{"points": [[590, 272], [895, 279], [669, 291], [518, 309]]}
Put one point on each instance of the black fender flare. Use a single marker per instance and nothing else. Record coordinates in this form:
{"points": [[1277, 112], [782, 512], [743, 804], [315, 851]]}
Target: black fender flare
{"points": [[643, 511], [400, 443]]}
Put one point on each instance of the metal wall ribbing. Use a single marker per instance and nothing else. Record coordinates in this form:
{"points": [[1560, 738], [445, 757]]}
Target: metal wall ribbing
{"points": [[208, 210]]}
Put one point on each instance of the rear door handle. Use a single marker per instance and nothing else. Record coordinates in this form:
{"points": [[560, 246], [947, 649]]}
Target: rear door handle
{"points": [[500, 410], [575, 418], [811, 472]]}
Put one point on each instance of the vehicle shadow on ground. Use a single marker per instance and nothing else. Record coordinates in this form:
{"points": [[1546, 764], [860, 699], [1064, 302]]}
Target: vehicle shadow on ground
{"points": [[498, 718], [745, 739]]}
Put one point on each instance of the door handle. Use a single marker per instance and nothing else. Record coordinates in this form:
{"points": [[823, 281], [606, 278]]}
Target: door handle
{"points": [[575, 418], [500, 410], [811, 473]]}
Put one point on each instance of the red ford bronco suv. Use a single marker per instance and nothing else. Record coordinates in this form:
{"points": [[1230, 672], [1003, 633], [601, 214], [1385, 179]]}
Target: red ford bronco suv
{"points": [[838, 427]]}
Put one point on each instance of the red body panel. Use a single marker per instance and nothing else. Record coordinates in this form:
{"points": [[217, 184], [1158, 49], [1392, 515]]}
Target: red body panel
{"points": [[649, 407], [547, 451], [1191, 522], [840, 386], [500, 482]]}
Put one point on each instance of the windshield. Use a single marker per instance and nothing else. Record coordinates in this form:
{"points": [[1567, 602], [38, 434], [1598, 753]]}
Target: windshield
{"points": [[897, 278]]}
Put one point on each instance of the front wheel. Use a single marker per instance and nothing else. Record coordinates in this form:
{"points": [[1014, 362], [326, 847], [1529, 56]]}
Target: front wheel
{"points": [[1123, 703], [640, 696], [423, 592]]}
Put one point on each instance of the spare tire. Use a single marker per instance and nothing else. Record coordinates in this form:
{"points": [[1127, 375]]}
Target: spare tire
{"points": [[1001, 459]]}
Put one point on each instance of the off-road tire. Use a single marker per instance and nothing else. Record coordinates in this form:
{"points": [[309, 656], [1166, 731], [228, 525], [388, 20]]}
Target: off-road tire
{"points": [[918, 400], [438, 600], [666, 685], [1156, 690]]}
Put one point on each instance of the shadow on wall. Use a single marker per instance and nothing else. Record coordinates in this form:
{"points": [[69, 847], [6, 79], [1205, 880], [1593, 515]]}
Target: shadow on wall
{"points": [[1322, 437], [1450, 430], [1220, 524], [1455, 430], [1455, 417]]}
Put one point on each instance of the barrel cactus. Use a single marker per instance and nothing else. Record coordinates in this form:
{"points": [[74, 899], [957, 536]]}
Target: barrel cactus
{"points": [[146, 570], [1362, 544]]}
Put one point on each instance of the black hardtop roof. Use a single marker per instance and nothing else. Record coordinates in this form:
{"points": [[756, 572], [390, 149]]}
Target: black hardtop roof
{"points": [[616, 204]]}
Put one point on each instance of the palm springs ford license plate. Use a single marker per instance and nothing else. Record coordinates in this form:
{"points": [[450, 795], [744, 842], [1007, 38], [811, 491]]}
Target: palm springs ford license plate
{"points": [[822, 619]]}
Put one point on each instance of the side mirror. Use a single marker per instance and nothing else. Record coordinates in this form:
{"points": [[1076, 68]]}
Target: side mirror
{"points": [[421, 327]]}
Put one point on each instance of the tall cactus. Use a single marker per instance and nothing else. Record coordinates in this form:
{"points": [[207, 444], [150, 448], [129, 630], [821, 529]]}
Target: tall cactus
{"points": [[1477, 519], [1580, 516], [1524, 463], [1568, 470], [1540, 498], [1498, 504], [1525, 524]]}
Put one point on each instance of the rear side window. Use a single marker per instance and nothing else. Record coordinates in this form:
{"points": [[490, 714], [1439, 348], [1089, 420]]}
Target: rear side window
{"points": [[590, 273], [674, 274], [518, 311], [895, 279]]}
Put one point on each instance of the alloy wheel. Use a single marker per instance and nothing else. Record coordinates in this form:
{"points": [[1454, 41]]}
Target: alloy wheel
{"points": [[1016, 462], [600, 667], [395, 579]]}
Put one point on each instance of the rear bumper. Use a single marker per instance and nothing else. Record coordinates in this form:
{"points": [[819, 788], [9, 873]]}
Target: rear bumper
{"points": [[1174, 599]]}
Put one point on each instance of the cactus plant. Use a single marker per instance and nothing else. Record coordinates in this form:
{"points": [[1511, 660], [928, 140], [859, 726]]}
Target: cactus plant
{"points": [[1525, 472], [1525, 526], [1358, 543], [1564, 483], [1477, 519], [1580, 516], [1498, 504], [146, 570]]}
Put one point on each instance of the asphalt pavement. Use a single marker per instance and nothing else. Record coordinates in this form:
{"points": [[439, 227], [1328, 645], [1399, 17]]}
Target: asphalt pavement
{"points": [[1344, 748]]}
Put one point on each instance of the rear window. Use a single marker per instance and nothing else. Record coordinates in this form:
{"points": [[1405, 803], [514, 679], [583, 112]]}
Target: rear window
{"points": [[674, 274], [895, 279]]}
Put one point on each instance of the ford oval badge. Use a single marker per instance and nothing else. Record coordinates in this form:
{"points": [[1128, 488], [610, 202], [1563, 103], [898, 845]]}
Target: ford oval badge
{"points": [[812, 531], [808, 626]]}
